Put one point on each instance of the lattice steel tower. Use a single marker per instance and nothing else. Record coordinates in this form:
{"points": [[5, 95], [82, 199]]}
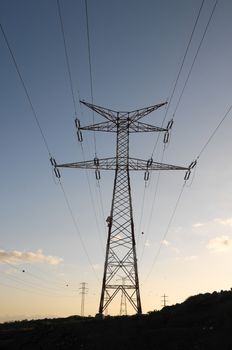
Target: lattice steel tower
{"points": [[120, 256]]}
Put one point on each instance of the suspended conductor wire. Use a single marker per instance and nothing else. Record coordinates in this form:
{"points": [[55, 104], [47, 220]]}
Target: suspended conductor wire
{"points": [[184, 58], [195, 57], [166, 231], [142, 209], [90, 70], [66, 57], [92, 200], [101, 204], [29, 283], [74, 101], [44, 139], [181, 68], [56, 281], [91, 91], [214, 132], [25, 272], [34, 291], [77, 230], [179, 72], [182, 190], [25, 89], [152, 208]]}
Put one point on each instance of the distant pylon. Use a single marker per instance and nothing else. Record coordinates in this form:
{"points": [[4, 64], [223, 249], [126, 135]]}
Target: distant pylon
{"points": [[123, 306], [83, 292], [120, 258], [164, 299]]}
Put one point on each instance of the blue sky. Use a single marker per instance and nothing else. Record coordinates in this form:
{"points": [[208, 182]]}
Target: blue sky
{"points": [[136, 52]]}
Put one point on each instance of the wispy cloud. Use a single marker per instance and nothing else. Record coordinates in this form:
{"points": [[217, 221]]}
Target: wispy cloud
{"points": [[220, 244], [165, 242], [198, 224], [216, 227], [224, 222], [16, 257]]}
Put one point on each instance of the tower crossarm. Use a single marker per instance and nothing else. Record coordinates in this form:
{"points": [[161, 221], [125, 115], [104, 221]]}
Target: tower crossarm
{"points": [[111, 164], [106, 126], [141, 113], [102, 164], [133, 127], [140, 164], [143, 127], [112, 115], [105, 112]]}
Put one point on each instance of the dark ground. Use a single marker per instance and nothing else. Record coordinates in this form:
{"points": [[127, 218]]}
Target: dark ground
{"points": [[202, 322]]}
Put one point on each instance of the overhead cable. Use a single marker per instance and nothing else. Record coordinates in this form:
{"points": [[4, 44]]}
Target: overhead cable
{"points": [[195, 57], [25, 89], [166, 231], [90, 69], [66, 57], [44, 139], [179, 72], [214, 132]]}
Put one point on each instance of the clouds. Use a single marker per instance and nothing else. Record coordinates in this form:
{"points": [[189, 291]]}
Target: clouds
{"points": [[220, 230], [225, 222], [220, 244], [17, 257], [214, 223]]}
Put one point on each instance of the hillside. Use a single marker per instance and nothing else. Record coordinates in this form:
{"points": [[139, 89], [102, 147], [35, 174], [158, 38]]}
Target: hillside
{"points": [[202, 322]]}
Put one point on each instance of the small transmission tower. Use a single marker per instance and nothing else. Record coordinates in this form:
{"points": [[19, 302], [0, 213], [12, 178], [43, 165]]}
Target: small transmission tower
{"points": [[164, 299], [83, 292], [120, 256], [123, 305]]}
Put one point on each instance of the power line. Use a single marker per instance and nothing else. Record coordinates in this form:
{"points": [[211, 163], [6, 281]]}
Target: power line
{"points": [[43, 137], [214, 132], [74, 102], [195, 57], [168, 106], [35, 291], [90, 69], [77, 230], [191, 68], [25, 89], [184, 58], [166, 231], [92, 201], [182, 190], [31, 284], [66, 56], [179, 73], [147, 230]]}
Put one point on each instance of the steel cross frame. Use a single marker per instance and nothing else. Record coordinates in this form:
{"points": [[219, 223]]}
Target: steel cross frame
{"points": [[120, 256]]}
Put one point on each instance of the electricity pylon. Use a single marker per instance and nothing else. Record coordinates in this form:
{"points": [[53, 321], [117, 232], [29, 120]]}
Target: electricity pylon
{"points": [[83, 292], [164, 299], [123, 306], [120, 248]]}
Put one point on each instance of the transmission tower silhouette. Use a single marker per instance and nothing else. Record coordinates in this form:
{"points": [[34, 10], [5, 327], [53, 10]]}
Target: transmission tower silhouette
{"points": [[83, 292], [120, 258], [123, 305], [164, 299]]}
